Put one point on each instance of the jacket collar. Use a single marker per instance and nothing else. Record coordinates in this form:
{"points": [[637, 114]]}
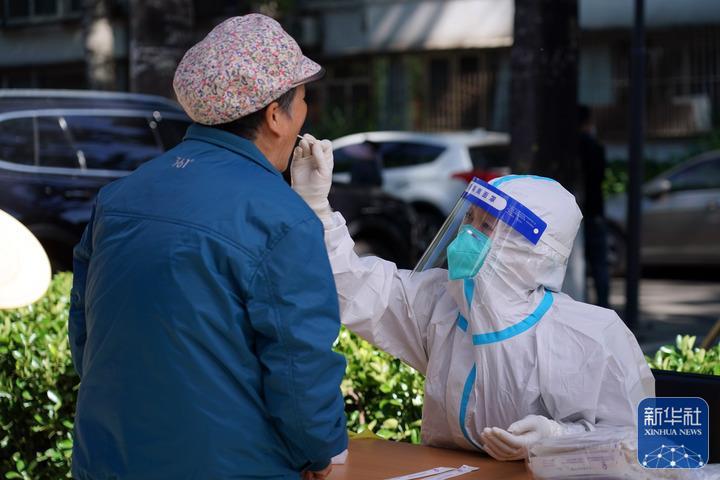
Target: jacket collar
{"points": [[230, 141]]}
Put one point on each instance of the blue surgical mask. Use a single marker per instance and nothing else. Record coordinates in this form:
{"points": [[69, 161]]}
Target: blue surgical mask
{"points": [[466, 254]]}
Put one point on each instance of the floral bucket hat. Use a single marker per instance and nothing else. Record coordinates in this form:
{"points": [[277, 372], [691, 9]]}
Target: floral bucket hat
{"points": [[241, 66]]}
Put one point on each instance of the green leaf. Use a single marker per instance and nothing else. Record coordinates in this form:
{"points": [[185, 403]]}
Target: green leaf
{"points": [[386, 434], [390, 424], [65, 444], [53, 397]]}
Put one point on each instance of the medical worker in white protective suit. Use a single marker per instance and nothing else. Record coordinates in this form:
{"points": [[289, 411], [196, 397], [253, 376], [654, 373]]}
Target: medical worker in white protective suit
{"points": [[508, 359]]}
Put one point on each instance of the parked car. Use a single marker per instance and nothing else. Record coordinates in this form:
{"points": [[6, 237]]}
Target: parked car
{"points": [[427, 170], [680, 217], [58, 148]]}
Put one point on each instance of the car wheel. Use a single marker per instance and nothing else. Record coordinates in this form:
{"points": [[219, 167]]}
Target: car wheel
{"points": [[617, 252], [427, 226]]}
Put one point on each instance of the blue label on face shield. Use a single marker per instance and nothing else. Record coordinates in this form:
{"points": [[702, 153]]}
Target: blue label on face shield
{"points": [[506, 209]]}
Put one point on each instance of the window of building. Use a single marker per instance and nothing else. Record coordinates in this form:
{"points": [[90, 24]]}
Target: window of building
{"points": [[21, 11], [469, 65], [69, 75], [45, 7], [17, 8], [439, 82], [63, 76]]}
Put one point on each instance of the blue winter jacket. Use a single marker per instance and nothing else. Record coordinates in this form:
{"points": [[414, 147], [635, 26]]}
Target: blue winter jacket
{"points": [[202, 319]]}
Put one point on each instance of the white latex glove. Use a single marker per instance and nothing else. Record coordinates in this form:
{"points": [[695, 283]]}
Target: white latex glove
{"points": [[513, 443], [311, 175]]}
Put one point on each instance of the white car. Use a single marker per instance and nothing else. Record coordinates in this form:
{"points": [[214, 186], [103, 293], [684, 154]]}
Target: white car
{"points": [[427, 170]]}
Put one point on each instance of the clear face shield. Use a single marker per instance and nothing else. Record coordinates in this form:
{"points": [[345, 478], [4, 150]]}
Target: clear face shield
{"points": [[478, 223]]}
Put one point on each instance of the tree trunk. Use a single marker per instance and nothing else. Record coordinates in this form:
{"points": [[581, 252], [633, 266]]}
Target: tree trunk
{"points": [[99, 43], [543, 103], [161, 31]]}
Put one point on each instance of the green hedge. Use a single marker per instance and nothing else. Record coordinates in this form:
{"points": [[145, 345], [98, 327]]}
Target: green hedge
{"points": [[382, 394], [685, 357], [38, 386]]}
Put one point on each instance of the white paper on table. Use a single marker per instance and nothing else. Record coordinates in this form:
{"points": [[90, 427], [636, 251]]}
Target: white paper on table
{"points": [[414, 476], [340, 458], [453, 473]]}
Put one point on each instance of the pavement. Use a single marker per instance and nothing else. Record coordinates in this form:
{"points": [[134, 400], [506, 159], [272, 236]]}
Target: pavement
{"points": [[670, 306]]}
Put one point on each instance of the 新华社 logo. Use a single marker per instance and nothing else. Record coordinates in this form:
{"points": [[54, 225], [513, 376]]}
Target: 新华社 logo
{"points": [[673, 432]]}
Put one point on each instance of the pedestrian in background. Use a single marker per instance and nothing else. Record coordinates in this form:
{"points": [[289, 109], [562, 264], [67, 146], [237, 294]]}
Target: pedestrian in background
{"points": [[592, 157], [203, 305]]}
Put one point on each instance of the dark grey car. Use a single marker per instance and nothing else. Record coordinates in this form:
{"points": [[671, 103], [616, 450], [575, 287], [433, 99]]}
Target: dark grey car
{"points": [[680, 217], [58, 148]]}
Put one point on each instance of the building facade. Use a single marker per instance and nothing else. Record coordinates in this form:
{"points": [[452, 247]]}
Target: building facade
{"points": [[445, 65], [416, 64]]}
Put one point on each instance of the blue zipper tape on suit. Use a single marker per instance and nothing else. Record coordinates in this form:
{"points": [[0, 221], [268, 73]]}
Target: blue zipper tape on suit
{"points": [[512, 330], [469, 288], [467, 389], [494, 337], [461, 322]]}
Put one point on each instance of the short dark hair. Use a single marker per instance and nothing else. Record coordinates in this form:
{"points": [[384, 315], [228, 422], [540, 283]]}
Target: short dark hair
{"points": [[248, 125]]}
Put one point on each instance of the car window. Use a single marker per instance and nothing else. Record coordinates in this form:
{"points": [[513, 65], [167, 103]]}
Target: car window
{"points": [[114, 143], [171, 131], [16, 141], [405, 154], [700, 176], [55, 148], [489, 156], [344, 157]]}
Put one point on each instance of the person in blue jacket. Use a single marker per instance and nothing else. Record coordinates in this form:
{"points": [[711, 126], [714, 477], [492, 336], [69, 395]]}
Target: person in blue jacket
{"points": [[203, 307]]}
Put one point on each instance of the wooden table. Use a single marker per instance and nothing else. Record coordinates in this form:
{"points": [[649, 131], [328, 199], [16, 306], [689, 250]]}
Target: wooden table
{"points": [[371, 459]]}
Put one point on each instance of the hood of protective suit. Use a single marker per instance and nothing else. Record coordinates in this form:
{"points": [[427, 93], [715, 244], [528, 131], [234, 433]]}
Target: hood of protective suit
{"points": [[515, 268], [545, 263]]}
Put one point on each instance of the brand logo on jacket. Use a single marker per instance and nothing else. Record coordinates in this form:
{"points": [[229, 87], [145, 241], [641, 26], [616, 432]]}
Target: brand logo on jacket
{"points": [[181, 162]]}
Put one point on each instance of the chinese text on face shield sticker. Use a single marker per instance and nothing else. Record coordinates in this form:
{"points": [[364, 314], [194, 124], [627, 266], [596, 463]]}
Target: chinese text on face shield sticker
{"points": [[487, 196]]}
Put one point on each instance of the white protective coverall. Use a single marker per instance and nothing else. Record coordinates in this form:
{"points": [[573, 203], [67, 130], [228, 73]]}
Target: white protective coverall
{"points": [[519, 347]]}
